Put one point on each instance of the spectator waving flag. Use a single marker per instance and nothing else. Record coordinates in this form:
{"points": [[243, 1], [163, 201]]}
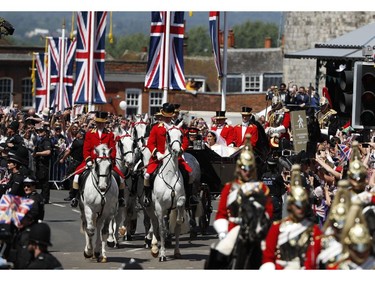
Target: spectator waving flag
{"points": [[61, 59], [13, 209], [90, 58], [344, 152], [166, 70], [214, 24], [41, 81]]}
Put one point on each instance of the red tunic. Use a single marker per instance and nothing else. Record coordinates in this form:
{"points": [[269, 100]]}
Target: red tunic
{"points": [[223, 211], [157, 143], [92, 140], [239, 137], [285, 122], [227, 133], [274, 240]]}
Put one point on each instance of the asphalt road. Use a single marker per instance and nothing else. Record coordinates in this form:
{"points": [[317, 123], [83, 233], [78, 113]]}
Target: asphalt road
{"points": [[68, 242]]}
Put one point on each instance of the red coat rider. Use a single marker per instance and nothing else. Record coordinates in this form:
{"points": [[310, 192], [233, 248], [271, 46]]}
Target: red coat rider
{"points": [[225, 130], [245, 128], [93, 138], [156, 144]]}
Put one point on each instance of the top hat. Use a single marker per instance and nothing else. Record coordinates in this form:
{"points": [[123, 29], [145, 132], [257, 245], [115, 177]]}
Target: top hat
{"points": [[246, 110], [101, 116], [167, 110], [220, 115]]}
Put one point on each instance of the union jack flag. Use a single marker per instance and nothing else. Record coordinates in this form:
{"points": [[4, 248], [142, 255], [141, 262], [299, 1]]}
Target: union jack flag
{"points": [[60, 101], [157, 52], [344, 152], [90, 58], [41, 80], [13, 209], [214, 24]]}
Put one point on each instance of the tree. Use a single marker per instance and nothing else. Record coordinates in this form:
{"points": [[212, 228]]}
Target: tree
{"points": [[252, 34], [134, 42], [198, 42]]}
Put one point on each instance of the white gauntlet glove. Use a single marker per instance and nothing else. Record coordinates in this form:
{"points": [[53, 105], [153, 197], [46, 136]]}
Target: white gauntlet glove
{"points": [[159, 155], [222, 235]]}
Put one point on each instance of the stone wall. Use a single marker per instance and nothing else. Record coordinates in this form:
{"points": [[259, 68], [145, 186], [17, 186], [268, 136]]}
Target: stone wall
{"points": [[302, 30]]}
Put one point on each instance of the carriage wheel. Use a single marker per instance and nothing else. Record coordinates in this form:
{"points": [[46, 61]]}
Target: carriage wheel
{"points": [[204, 221]]}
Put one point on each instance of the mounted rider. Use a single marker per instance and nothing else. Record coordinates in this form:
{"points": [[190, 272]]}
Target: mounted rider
{"points": [[227, 221], [93, 138], [156, 144]]}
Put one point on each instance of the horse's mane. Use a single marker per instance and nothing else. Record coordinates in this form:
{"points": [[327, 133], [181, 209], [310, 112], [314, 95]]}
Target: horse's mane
{"points": [[102, 149]]}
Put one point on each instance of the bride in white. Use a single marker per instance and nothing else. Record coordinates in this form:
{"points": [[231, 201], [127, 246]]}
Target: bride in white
{"points": [[218, 144]]}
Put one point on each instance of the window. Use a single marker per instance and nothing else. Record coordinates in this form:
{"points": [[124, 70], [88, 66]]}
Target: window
{"points": [[133, 101], [27, 97], [156, 102], [6, 87], [252, 83], [234, 83], [272, 79]]}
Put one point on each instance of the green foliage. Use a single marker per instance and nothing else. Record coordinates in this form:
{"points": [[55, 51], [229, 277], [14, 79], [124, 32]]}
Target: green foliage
{"points": [[133, 42], [198, 42], [252, 34]]}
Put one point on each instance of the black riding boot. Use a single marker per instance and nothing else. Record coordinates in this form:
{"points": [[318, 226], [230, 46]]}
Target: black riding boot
{"points": [[75, 195], [121, 199], [147, 200]]}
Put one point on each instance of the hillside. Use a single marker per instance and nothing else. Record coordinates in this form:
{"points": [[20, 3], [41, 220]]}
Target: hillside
{"points": [[29, 26]]}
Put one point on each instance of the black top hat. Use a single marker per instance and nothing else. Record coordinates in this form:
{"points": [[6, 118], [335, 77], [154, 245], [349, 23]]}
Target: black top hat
{"points": [[101, 116], [220, 115], [14, 125], [40, 233], [167, 110], [246, 110]]}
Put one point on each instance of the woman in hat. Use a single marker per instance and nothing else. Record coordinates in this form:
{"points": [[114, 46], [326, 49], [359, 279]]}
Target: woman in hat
{"points": [[93, 138]]}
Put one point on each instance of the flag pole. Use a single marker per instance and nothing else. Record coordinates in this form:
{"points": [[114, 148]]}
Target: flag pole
{"points": [[60, 98], [91, 69], [48, 67], [166, 57], [224, 80]]}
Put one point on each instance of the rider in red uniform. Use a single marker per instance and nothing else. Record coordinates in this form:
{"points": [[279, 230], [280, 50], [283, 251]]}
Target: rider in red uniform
{"points": [[225, 130], [241, 130], [93, 138], [156, 144]]}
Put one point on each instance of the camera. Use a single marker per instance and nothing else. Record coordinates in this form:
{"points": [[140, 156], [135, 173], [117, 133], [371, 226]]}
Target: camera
{"points": [[365, 145]]}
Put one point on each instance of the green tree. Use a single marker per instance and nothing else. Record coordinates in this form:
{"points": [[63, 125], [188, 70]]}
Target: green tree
{"points": [[252, 34], [198, 42], [134, 42]]}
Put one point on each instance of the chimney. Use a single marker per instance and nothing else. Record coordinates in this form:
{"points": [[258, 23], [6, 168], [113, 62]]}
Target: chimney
{"points": [[230, 38], [267, 42]]}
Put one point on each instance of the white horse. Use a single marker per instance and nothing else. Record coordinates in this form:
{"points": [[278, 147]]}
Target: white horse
{"points": [[98, 203], [125, 158], [168, 195]]}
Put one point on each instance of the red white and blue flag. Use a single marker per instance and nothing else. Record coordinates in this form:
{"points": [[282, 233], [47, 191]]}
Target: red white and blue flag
{"points": [[61, 96], [214, 25], [344, 152], [90, 58], [41, 81], [157, 59], [13, 209]]}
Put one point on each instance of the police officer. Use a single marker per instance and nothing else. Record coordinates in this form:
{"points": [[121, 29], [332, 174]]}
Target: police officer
{"points": [[33, 216], [39, 240], [15, 184], [42, 155], [13, 140], [275, 182]]}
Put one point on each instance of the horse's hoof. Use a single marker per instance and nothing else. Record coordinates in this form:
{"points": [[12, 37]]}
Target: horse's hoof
{"points": [[177, 255], [97, 255], [122, 231], [147, 243], [163, 258], [87, 256], [154, 253], [129, 237], [111, 244], [102, 259]]}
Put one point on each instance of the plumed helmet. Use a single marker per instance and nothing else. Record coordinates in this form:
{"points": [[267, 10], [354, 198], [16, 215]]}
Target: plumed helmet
{"points": [[246, 160], [356, 238], [40, 233], [276, 102], [357, 170], [340, 206], [298, 194]]}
